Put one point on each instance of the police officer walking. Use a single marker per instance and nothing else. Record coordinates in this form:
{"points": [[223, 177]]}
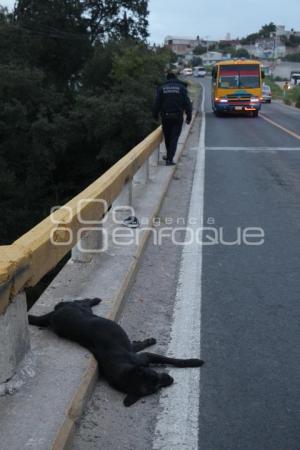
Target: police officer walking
{"points": [[171, 103]]}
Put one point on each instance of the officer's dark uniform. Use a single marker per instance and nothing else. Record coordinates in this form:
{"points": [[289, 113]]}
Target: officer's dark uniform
{"points": [[171, 102]]}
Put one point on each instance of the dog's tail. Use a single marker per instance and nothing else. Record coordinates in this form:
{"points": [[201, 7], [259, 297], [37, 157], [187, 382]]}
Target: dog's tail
{"points": [[40, 321]]}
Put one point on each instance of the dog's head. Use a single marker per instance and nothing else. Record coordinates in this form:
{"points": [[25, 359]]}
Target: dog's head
{"points": [[142, 381]]}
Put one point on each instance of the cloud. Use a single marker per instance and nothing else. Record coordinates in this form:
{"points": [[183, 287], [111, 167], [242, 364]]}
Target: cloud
{"points": [[218, 17]]}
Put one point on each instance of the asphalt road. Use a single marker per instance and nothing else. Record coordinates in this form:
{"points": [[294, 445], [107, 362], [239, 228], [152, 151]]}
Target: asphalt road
{"points": [[248, 395], [250, 330]]}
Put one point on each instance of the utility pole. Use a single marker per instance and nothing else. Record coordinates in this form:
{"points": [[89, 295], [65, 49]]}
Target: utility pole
{"points": [[273, 35], [206, 38]]}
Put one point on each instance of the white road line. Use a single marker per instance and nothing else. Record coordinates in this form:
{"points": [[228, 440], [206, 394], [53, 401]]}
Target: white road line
{"points": [[178, 422], [255, 149]]}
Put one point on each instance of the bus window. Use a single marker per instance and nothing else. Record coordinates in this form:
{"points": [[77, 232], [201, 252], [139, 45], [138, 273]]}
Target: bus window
{"points": [[239, 76]]}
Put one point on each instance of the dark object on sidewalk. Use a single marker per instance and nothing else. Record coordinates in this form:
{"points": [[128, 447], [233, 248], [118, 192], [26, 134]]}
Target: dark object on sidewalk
{"points": [[171, 103], [170, 163], [117, 357], [131, 222]]}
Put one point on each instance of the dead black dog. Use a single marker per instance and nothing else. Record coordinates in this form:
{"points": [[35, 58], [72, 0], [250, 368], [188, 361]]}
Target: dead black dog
{"points": [[117, 357]]}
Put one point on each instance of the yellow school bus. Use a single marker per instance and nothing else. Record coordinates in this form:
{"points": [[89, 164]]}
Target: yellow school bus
{"points": [[237, 87]]}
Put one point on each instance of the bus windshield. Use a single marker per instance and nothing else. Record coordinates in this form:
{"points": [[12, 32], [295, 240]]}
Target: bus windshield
{"points": [[239, 76]]}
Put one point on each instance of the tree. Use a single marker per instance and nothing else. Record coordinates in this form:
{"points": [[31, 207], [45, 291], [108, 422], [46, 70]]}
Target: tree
{"points": [[62, 32], [295, 57], [242, 53], [196, 61], [227, 49], [117, 114], [199, 50], [57, 34], [117, 18], [68, 112], [27, 106], [264, 32], [250, 39], [291, 41], [294, 40], [5, 17], [13, 41], [96, 73], [267, 29]]}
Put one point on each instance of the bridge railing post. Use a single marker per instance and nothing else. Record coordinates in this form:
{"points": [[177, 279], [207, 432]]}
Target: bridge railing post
{"points": [[130, 192], [89, 244], [162, 149], [141, 176], [153, 163], [91, 235], [14, 337]]}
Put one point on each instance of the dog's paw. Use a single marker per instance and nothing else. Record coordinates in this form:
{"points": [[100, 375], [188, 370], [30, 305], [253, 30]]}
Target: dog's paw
{"points": [[195, 362], [130, 399], [151, 341], [165, 380]]}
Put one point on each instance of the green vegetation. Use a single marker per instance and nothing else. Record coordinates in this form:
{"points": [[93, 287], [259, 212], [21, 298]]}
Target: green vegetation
{"points": [[223, 47], [77, 83], [196, 61], [294, 57], [291, 41], [264, 32], [199, 50], [242, 53], [292, 96], [277, 92]]}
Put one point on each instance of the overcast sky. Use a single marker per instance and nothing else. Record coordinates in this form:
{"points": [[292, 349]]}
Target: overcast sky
{"points": [[215, 18]]}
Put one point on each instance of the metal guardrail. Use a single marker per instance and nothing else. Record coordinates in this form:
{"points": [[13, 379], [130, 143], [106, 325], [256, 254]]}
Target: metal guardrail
{"points": [[28, 259]]}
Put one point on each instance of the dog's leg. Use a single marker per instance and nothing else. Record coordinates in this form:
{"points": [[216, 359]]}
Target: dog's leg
{"points": [[158, 359], [137, 346], [40, 321]]}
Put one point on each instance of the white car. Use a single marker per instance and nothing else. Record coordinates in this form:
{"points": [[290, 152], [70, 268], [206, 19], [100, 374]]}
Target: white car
{"points": [[266, 93], [187, 72], [199, 72]]}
